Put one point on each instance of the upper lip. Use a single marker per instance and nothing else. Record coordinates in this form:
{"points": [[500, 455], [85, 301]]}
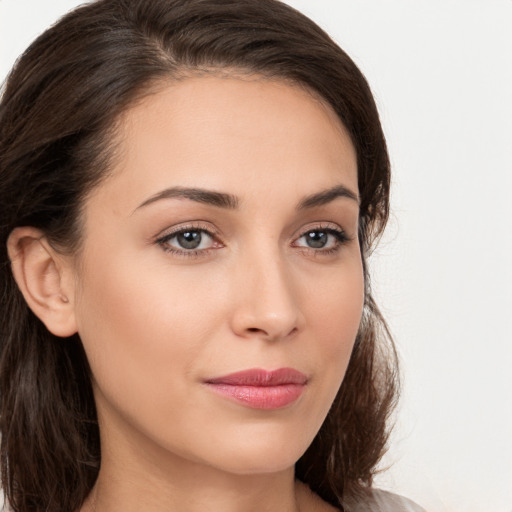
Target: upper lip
{"points": [[260, 377]]}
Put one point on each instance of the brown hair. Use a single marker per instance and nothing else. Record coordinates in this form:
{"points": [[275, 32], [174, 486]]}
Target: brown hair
{"points": [[57, 118]]}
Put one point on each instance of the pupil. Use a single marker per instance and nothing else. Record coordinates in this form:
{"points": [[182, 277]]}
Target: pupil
{"points": [[317, 239], [189, 239]]}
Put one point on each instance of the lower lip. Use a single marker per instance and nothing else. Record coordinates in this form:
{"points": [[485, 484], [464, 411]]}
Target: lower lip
{"points": [[261, 397]]}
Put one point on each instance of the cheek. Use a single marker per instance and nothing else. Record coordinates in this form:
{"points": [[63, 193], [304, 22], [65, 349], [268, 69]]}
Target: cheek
{"points": [[335, 309], [334, 312], [340, 309], [142, 328]]}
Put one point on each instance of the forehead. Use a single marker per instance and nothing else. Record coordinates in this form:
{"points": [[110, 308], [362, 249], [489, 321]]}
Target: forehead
{"points": [[241, 133]]}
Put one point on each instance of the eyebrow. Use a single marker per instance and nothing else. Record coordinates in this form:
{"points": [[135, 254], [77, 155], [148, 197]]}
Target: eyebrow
{"points": [[326, 196], [231, 202], [200, 195]]}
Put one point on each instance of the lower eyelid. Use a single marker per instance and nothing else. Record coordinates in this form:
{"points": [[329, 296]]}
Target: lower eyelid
{"points": [[182, 252], [340, 239]]}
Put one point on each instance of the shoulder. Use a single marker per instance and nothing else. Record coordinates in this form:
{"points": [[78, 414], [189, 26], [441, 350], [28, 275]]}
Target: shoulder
{"points": [[377, 500]]}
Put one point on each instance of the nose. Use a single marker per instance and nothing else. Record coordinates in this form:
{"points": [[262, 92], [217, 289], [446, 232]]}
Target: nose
{"points": [[267, 304]]}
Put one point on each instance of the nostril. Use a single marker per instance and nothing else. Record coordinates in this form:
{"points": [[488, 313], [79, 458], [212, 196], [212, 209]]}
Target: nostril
{"points": [[256, 330]]}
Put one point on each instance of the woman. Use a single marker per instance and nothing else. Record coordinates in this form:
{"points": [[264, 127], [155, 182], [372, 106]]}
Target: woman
{"points": [[189, 193]]}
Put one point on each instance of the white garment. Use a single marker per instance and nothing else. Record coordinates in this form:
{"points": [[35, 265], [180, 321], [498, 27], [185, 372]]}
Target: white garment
{"points": [[382, 501]]}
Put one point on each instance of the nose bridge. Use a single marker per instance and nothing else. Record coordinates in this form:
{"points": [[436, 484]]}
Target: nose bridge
{"points": [[268, 305]]}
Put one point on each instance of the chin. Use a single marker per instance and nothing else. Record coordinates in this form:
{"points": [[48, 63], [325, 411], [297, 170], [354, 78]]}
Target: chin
{"points": [[255, 455], [267, 463]]}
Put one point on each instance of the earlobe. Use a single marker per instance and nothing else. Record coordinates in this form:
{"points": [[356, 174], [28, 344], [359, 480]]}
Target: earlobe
{"points": [[43, 279]]}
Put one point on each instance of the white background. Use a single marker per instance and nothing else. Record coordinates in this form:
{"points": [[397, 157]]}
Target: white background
{"points": [[441, 71]]}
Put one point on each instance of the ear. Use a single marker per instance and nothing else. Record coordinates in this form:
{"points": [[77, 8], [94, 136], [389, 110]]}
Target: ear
{"points": [[45, 279]]}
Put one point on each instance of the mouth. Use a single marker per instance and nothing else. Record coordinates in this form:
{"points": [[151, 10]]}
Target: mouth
{"points": [[261, 389]]}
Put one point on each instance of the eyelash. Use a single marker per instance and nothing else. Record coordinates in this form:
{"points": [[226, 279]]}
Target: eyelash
{"points": [[190, 253], [341, 238]]}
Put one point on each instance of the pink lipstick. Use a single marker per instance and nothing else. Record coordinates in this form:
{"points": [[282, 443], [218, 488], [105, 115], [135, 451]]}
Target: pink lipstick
{"points": [[261, 389]]}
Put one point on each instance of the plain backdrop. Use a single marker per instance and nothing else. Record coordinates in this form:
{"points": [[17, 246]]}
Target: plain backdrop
{"points": [[441, 71]]}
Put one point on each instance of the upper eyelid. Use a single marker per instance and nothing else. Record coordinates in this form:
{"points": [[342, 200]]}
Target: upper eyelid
{"points": [[325, 225], [193, 226], [339, 233], [164, 239], [216, 234], [212, 231]]}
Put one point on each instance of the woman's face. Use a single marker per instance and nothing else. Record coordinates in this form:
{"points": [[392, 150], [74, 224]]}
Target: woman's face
{"points": [[225, 240]]}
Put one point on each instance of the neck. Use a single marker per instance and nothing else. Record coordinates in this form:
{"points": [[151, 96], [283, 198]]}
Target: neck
{"points": [[199, 492]]}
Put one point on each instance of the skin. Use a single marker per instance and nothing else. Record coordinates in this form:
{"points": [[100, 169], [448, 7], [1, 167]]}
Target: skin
{"points": [[155, 323]]}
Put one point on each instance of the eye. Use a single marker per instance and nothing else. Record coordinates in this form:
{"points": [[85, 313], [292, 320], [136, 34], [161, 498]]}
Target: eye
{"points": [[322, 239], [188, 241]]}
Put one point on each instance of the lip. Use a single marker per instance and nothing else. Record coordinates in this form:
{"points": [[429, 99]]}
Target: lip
{"points": [[261, 389]]}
